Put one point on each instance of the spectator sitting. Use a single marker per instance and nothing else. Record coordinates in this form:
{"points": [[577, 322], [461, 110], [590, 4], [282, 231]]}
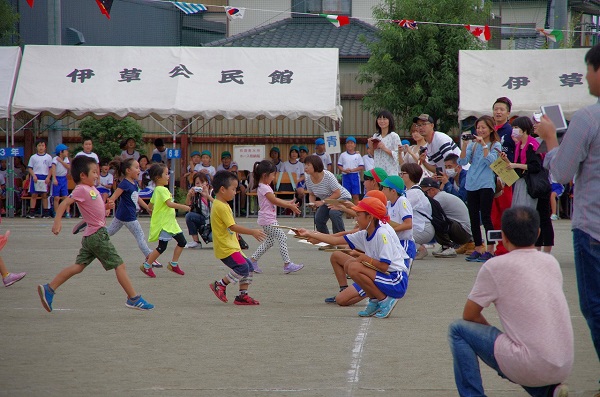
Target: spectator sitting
{"points": [[459, 232], [454, 178], [160, 149], [129, 151], [373, 179], [526, 287], [275, 155]]}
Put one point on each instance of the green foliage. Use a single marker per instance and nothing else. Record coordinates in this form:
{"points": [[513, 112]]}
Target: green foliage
{"points": [[8, 23], [108, 133], [416, 71]]}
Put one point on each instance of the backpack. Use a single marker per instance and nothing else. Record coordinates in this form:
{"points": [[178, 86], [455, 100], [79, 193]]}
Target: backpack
{"points": [[440, 221]]}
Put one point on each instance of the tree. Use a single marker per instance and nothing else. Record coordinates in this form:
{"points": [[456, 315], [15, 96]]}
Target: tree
{"points": [[108, 134], [416, 71], [8, 23]]}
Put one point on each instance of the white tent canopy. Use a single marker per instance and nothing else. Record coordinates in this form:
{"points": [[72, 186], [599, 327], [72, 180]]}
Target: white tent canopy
{"points": [[184, 81], [530, 78], [9, 66]]}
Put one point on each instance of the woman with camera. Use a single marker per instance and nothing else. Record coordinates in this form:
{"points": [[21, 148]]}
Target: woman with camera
{"points": [[480, 150], [197, 220]]}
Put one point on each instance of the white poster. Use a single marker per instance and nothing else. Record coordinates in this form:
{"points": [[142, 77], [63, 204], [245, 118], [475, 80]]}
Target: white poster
{"points": [[332, 142], [246, 155]]}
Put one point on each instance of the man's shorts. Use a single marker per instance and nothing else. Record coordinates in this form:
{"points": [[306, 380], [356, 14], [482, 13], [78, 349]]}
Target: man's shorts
{"points": [[60, 190], [351, 182], [98, 246], [32, 189], [393, 284], [558, 189]]}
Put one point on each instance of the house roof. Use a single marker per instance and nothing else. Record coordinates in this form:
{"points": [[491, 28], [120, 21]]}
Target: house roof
{"points": [[529, 43], [306, 33]]}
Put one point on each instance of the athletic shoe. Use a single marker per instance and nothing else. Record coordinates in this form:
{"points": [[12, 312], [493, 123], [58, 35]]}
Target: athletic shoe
{"points": [[466, 249], [554, 218], [386, 307], [67, 215], [157, 264], [473, 257], [175, 269], [245, 300], [292, 267], [46, 215], [330, 300], [193, 244], [372, 308], [436, 251], [4, 239], [13, 278], [421, 253], [561, 391], [484, 257], [139, 304], [255, 266], [148, 272], [219, 290], [79, 227], [46, 295], [30, 215], [447, 253]]}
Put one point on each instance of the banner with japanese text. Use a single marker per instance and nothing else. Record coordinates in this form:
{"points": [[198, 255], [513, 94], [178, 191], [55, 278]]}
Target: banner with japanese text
{"points": [[246, 155], [529, 78], [189, 82], [332, 142]]}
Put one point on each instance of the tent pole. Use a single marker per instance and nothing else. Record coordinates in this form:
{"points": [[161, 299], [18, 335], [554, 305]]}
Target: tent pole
{"points": [[172, 168], [10, 173]]}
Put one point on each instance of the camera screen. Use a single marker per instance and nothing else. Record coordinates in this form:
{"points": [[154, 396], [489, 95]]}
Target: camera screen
{"points": [[554, 112], [494, 235]]}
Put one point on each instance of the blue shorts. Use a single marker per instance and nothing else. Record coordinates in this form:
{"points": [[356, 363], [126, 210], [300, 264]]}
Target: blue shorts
{"points": [[145, 193], [103, 190], [558, 189], [239, 264], [410, 247], [60, 190], [301, 185], [394, 284], [40, 177], [351, 182]]}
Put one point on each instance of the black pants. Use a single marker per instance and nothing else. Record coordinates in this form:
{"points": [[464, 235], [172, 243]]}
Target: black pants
{"points": [[546, 238], [456, 235], [480, 207]]}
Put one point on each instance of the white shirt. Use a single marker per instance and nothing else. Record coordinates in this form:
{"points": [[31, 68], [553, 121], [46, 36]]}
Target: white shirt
{"points": [[92, 155], [40, 164], [325, 158], [382, 159], [419, 204], [61, 170], [296, 168], [382, 245], [441, 146], [350, 161], [369, 162], [126, 155], [398, 212], [107, 179]]}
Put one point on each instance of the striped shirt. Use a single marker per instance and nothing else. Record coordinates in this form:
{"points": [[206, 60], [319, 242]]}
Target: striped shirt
{"points": [[578, 156], [326, 187], [441, 146]]}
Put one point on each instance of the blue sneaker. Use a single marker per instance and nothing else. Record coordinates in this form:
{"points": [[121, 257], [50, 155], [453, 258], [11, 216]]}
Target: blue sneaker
{"points": [[139, 304], [484, 257], [386, 307], [331, 299], [473, 257], [46, 295], [372, 308]]}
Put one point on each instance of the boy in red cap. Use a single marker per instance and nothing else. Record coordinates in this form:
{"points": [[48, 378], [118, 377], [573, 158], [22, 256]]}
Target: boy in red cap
{"points": [[377, 262]]}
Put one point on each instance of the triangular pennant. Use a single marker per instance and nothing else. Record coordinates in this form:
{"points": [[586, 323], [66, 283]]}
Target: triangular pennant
{"points": [[406, 24], [481, 32], [234, 12], [337, 20], [105, 6], [551, 34], [30, 2], [189, 8]]}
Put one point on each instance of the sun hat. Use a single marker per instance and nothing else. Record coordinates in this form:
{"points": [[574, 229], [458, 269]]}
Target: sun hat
{"points": [[394, 182], [373, 206], [378, 194], [378, 174]]}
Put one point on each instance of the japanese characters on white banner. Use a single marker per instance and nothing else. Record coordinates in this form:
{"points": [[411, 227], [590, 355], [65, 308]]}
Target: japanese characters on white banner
{"points": [[246, 156], [332, 142]]}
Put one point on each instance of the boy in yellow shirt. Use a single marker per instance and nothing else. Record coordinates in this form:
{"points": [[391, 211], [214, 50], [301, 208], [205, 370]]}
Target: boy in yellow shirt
{"points": [[226, 245]]}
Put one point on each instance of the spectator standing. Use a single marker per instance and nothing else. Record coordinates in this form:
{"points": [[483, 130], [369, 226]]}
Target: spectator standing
{"points": [[385, 143], [160, 149], [368, 159], [323, 155], [350, 164], [130, 152], [60, 169], [40, 175], [439, 145]]}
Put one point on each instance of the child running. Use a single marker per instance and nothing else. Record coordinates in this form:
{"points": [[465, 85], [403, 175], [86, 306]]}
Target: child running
{"points": [[264, 174], [226, 245], [163, 224], [95, 243], [126, 212], [8, 279]]}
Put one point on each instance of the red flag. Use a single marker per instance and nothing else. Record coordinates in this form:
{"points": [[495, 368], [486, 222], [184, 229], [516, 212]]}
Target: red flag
{"points": [[406, 23], [481, 32], [30, 2], [104, 6]]}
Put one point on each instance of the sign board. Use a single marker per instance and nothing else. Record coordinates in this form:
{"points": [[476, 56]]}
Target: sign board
{"points": [[246, 155], [12, 152], [173, 153], [332, 142]]}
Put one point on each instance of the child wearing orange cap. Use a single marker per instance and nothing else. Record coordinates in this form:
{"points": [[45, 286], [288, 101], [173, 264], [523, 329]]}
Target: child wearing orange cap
{"points": [[385, 279]]}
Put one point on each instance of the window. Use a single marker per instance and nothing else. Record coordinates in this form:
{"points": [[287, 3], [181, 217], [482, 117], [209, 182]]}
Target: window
{"points": [[338, 7]]}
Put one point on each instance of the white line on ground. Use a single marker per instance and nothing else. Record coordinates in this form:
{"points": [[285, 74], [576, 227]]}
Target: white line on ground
{"points": [[359, 343]]}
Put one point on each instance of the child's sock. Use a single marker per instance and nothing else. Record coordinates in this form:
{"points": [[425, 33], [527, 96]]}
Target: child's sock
{"points": [[147, 265], [343, 287], [243, 292], [174, 264], [222, 283], [385, 299]]}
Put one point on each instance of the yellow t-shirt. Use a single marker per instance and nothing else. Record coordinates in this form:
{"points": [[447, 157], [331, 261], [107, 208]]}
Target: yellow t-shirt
{"points": [[163, 216], [225, 241]]}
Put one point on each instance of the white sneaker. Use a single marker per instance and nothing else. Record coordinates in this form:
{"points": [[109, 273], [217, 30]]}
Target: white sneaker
{"points": [[193, 244], [554, 217], [447, 253], [437, 251]]}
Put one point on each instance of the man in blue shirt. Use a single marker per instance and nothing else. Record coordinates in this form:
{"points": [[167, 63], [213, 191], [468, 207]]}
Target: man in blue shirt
{"points": [[454, 178]]}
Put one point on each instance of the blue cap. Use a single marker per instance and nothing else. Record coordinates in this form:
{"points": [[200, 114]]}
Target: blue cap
{"points": [[351, 139], [60, 147], [405, 142], [207, 153], [195, 153], [320, 141]]}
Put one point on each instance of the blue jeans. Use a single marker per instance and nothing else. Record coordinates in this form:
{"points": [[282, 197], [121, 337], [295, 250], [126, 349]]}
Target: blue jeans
{"points": [[468, 341], [323, 214], [194, 222], [587, 268]]}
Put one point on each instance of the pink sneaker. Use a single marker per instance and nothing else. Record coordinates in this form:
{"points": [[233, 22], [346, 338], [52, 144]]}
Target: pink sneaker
{"points": [[13, 278], [148, 272], [175, 269], [292, 267]]}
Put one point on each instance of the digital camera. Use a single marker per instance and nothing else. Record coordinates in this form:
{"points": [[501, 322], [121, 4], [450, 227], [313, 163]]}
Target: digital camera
{"points": [[198, 189]]}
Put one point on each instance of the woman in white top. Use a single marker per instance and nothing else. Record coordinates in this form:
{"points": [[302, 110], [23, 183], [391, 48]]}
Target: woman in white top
{"points": [[385, 142], [324, 185], [423, 231], [411, 154]]}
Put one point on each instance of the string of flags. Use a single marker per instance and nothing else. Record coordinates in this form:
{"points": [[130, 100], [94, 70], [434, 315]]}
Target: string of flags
{"points": [[482, 32]]}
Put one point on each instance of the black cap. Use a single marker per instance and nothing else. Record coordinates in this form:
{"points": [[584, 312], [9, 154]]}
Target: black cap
{"points": [[430, 182]]}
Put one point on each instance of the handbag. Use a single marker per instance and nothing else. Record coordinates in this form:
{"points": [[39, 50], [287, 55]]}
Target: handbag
{"points": [[538, 185]]}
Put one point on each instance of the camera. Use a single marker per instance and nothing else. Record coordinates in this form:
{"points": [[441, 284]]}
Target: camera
{"points": [[494, 235], [422, 149], [467, 137], [198, 189]]}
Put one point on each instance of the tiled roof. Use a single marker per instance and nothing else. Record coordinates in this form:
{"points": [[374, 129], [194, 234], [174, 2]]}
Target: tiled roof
{"points": [[529, 43], [306, 33]]}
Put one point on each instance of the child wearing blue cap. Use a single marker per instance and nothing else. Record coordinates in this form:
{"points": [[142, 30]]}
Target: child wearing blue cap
{"points": [[350, 164], [323, 155], [59, 170]]}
